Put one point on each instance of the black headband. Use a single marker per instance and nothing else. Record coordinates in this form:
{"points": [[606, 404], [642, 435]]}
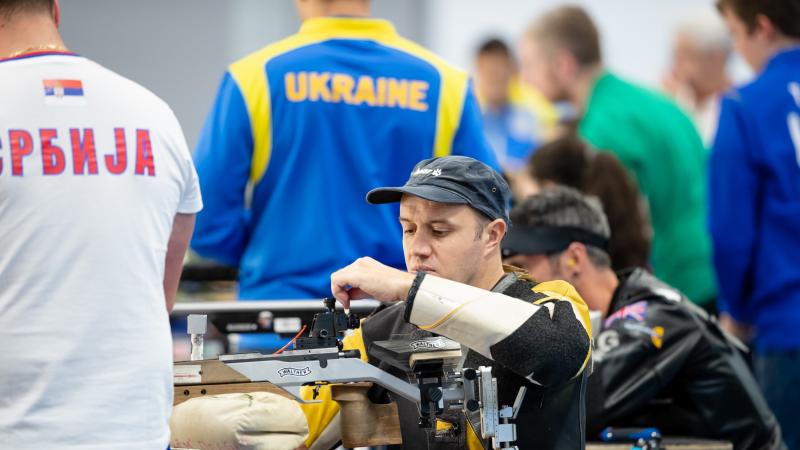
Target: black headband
{"points": [[545, 239]]}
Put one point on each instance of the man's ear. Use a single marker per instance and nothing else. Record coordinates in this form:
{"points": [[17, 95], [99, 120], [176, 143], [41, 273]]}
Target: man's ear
{"points": [[494, 232], [765, 27], [56, 13], [566, 64], [574, 259]]}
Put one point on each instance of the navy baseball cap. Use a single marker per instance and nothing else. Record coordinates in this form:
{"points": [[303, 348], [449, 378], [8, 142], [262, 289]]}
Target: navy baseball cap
{"points": [[453, 179]]}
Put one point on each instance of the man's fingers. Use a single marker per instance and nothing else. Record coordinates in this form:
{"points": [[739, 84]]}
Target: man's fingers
{"points": [[339, 289], [360, 280], [342, 297]]}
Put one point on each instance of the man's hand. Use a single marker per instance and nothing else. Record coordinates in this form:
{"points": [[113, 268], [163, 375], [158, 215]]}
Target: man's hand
{"points": [[367, 278], [740, 330]]}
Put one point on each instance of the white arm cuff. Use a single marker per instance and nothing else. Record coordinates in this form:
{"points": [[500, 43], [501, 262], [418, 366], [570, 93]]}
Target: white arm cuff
{"points": [[472, 316]]}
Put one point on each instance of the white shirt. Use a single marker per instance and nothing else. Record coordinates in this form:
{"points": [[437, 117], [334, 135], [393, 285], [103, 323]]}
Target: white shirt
{"points": [[705, 114], [85, 349]]}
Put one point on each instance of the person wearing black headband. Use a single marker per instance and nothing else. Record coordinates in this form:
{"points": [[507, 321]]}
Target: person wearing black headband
{"points": [[659, 360], [454, 214]]}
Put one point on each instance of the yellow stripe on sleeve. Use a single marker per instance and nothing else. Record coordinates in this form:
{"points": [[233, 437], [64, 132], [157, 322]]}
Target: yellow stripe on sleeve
{"points": [[452, 92], [251, 77], [562, 290]]}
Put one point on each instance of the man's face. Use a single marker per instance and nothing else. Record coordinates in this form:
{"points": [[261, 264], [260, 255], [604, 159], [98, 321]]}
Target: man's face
{"points": [[698, 68], [539, 69], [540, 267], [441, 239], [749, 44], [493, 74], [684, 59]]}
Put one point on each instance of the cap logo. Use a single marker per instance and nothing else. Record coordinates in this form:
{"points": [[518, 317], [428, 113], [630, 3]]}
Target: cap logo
{"points": [[432, 172]]}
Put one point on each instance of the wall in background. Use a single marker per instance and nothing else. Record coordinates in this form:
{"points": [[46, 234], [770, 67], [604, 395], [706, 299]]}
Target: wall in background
{"points": [[179, 48], [636, 35]]}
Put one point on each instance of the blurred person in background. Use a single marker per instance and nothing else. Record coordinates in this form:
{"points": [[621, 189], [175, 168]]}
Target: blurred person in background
{"points": [[698, 73], [659, 360], [649, 134], [510, 128], [308, 125], [515, 118], [755, 199], [569, 161]]}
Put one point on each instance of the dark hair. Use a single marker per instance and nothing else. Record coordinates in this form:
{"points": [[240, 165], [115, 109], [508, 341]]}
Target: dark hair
{"points": [[571, 162], [569, 27], [494, 46], [9, 7], [784, 14]]}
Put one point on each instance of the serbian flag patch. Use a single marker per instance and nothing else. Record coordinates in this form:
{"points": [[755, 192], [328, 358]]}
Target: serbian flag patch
{"points": [[63, 92], [63, 88]]}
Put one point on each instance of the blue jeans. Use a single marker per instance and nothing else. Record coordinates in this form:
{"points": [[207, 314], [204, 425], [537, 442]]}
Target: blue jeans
{"points": [[778, 373]]}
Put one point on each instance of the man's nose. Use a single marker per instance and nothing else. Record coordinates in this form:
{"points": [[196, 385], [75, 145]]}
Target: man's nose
{"points": [[420, 246]]}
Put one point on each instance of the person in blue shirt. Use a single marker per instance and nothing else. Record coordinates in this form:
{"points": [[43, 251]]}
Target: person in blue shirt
{"points": [[510, 127], [755, 199], [309, 124]]}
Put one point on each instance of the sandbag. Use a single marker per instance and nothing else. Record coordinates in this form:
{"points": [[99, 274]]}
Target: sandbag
{"points": [[252, 421]]}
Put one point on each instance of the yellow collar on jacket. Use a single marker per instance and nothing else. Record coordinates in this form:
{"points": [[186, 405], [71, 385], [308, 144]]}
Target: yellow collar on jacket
{"points": [[348, 27]]}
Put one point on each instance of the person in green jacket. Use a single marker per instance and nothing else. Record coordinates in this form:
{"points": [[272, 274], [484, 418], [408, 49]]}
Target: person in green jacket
{"points": [[653, 138]]}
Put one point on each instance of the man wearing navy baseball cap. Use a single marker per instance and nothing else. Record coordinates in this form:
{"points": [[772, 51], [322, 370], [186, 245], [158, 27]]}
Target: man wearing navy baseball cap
{"points": [[536, 337]]}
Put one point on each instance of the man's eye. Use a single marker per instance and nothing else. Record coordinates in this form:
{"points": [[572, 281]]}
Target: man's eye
{"points": [[440, 232], [408, 231]]}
